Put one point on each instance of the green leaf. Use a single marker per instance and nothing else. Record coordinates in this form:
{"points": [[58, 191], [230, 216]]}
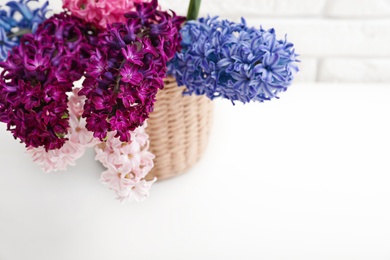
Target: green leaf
{"points": [[65, 116], [60, 135]]}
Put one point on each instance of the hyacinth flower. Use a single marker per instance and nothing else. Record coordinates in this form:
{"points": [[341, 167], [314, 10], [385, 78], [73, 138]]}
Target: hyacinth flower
{"points": [[37, 76], [123, 66], [127, 165], [231, 60], [100, 12], [78, 140], [17, 21], [6, 44], [125, 72], [127, 69]]}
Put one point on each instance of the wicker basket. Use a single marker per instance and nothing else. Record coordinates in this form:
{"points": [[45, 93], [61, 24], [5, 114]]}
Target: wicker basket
{"points": [[178, 130]]}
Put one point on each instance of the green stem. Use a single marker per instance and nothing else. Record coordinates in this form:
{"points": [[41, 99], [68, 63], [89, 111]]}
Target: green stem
{"points": [[118, 79], [193, 10]]}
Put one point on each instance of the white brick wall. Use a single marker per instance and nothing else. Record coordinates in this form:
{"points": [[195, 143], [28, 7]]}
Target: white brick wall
{"points": [[339, 40]]}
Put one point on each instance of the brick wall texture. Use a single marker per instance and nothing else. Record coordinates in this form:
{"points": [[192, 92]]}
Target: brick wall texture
{"points": [[339, 40]]}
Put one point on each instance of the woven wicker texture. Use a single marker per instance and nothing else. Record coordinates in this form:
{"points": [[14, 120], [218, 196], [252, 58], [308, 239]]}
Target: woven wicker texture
{"points": [[178, 130]]}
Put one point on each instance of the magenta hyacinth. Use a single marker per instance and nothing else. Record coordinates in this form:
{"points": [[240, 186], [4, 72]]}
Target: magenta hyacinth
{"points": [[123, 67], [38, 74], [127, 69]]}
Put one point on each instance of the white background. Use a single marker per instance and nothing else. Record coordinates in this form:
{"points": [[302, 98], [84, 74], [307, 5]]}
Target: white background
{"points": [[303, 177]]}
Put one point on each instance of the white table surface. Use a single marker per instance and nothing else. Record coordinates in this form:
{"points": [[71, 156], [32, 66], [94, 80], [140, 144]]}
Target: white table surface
{"points": [[303, 177]]}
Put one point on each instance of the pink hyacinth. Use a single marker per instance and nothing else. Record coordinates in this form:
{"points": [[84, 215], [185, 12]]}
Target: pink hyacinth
{"points": [[57, 159], [127, 165], [76, 103], [100, 12], [79, 138]]}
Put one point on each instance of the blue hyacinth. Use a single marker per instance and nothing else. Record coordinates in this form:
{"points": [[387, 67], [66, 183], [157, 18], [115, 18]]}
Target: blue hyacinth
{"points": [[19, 19], [224, 59]]}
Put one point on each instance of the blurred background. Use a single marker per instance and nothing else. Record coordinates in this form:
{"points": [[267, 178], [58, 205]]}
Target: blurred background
{"points": [[339, 40]]}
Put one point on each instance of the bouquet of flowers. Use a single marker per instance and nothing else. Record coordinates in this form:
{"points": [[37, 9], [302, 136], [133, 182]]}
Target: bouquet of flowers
{"points": [[121, 50], [122, 66]]}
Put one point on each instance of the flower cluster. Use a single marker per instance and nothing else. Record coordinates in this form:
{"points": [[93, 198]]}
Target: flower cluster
{"points": [[224, 59], [127, 165], [121, 48], [38, 74], [100, 13], [74, 148], [17, 21], [127, 68]]}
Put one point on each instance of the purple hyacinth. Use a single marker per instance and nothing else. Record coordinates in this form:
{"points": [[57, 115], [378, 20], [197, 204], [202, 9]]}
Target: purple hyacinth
{"points": [[38, 74], [127, 69], [233, 61]]}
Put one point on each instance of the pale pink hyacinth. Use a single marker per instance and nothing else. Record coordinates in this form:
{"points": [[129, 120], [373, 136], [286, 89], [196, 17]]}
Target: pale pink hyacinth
{"points": [[100, 12], [58, 159], [74, 148], [76, 103], [127, 165]]}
